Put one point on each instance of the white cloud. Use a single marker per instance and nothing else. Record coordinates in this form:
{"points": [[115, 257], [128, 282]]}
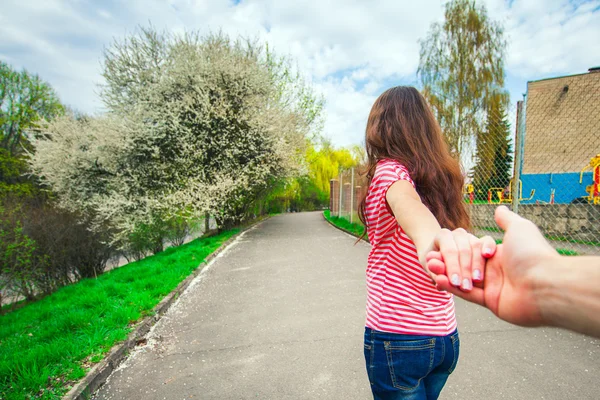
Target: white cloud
{"points": [[549, 38], [349, 49]]}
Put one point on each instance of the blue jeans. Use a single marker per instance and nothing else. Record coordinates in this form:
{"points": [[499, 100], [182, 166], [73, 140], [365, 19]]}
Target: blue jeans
{"points": [[409, 367]]}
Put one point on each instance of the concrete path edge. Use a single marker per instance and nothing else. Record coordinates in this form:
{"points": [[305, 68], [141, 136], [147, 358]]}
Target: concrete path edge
{"points": [[100, 372]]}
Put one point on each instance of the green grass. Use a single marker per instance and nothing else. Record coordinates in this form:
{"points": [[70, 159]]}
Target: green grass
{"points": [[477, 201], [576, 241], [566, 252], [47, 345], [355, 228]]}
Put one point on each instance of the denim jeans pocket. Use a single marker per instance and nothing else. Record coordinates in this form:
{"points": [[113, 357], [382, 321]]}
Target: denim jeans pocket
{"points": [[409, 361], [456, 350], [369, 360]]}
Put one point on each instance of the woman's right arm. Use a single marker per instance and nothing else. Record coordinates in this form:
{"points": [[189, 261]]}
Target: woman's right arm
{"points": [[463, 256]]}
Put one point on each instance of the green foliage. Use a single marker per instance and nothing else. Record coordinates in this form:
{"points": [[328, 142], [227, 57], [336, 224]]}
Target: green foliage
{"points": [[43, 345], [62, 248], [13, 181], [25, 100], [196, 124], [20, 264], [566, 252], [325, 162], [494, 153], [461, 67], [310, 190]]}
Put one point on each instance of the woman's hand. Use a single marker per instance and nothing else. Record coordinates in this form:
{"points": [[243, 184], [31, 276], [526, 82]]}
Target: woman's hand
{"points": [[457, 259], [524, 263]]}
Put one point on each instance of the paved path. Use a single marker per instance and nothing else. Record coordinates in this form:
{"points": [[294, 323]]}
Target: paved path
{"points": [[280, 314]]}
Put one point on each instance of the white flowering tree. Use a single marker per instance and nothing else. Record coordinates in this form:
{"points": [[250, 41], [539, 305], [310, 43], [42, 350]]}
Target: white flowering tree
{"points": [[195, 124]]}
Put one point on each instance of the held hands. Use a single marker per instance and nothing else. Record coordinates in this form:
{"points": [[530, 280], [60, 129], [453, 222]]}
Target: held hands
{"points": [[507, 277], [463, 257]]}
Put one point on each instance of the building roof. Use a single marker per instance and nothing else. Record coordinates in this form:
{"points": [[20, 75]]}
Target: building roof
{"points": [[594, 69]]}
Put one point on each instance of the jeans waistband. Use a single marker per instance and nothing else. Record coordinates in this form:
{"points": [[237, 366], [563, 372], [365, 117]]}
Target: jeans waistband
{"points": [[399, 336]]}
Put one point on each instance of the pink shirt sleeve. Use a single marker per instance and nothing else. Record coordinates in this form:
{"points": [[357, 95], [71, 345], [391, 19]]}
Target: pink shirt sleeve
{"points": [[387, 173]]}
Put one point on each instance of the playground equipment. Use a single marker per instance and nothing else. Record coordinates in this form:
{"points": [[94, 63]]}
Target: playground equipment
{"points": [[593, 189], [470, 190], [505, 196]]}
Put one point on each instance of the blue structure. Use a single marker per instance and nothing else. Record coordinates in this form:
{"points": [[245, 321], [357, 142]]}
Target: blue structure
{"points": [[566, 186]]}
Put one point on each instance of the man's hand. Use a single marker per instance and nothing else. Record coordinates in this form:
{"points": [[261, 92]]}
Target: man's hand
{"points": [[510, 275]]}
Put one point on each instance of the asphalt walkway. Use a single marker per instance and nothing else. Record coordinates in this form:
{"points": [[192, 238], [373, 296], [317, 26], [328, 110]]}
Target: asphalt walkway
{"points": [[280, 315]]}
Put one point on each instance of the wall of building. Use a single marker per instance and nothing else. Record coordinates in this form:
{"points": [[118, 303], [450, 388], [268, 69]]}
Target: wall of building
{"points": [[562, 124], [566, 186]]}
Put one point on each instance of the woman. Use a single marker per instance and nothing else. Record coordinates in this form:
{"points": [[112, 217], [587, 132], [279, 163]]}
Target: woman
{"points": [[415, 190]]}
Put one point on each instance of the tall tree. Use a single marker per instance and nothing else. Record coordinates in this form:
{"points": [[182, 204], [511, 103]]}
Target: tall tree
{"points": [[195, 124], [461, 67], [494, 154], [325, 162], [25, 99]]}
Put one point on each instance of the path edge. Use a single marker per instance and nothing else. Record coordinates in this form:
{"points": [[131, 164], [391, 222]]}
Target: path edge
{"points": [[365, 238], [100, 372]]}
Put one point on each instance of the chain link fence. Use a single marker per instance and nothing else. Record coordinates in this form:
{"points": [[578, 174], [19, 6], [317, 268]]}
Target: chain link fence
{"points": [[540, 157]]}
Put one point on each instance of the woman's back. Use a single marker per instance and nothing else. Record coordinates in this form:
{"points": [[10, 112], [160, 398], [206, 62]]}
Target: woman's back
{"points": [[401, 297]]}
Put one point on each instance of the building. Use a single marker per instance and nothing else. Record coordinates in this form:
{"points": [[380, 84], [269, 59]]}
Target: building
{"points": [[562, 134]]}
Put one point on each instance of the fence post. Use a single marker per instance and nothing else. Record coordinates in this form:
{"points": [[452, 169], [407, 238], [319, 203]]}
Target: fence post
{"points": [[519, 147], [351, 194], [332, 195], [341, 194]]}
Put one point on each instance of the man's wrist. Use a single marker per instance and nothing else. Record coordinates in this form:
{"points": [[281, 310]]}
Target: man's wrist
{"points": [[545, 278]]}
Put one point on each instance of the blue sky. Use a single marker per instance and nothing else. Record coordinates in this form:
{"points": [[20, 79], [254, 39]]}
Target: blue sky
{"points": [[350, 50]]}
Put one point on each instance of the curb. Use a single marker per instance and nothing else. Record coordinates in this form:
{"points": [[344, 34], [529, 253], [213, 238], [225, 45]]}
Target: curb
{"points": [[99, 373], [365, 238]]}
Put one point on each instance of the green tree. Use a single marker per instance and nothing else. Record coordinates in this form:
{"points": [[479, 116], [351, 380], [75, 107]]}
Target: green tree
{"points": [[25, 100], [195, 124], [324, 163], [42, 246], [461, 67], [310, 190], [494, 156]]}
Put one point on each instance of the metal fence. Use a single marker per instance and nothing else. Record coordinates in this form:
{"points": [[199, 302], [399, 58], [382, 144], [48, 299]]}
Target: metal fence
{"points": [[540, 157], [346, 193]]}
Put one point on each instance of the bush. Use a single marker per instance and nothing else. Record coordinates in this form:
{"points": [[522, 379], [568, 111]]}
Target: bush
{"points": [[43, 247], [20, 267]]}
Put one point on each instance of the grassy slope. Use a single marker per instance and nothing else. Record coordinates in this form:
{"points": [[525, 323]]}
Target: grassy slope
{"points": [[355, 228], [48, 344]]}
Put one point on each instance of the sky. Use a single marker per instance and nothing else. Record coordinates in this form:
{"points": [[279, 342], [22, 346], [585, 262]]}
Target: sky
{"points": [[351, 50]]}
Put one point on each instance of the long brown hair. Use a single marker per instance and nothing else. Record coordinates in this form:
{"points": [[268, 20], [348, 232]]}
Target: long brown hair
{"points": [[402, 127]]}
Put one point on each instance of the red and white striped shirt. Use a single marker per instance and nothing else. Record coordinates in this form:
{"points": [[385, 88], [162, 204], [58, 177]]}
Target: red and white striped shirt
{"points": [[400, 296]]}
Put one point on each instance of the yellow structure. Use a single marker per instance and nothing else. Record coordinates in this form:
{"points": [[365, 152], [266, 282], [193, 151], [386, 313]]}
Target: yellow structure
{"points": [[508, 198], [593, 190]]}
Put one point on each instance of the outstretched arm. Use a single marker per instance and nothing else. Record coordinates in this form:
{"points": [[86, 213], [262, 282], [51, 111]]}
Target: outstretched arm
{"points": [[461, 256]]}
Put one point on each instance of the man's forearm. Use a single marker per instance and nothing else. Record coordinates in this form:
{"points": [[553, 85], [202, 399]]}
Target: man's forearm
{"points": [[568, 289]]}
